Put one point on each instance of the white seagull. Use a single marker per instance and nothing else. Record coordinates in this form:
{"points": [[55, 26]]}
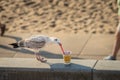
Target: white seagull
{"points": [[36, 43]]}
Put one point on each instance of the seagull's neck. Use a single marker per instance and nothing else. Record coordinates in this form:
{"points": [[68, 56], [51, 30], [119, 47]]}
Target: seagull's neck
{"points": [[48, 40]]}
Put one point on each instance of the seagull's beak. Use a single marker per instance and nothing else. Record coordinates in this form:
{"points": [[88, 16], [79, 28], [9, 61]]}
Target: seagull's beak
{"points": [[59, 43]]}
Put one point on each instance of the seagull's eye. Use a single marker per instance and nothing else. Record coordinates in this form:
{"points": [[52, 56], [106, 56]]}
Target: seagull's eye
{"points": [[56, 39]]}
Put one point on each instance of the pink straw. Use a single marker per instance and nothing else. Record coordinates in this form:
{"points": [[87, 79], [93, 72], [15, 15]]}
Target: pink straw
{"points": [[62, 49]]}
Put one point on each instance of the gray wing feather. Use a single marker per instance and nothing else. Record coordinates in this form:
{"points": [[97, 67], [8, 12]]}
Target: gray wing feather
{"points": [[38, 38], [35, 42]]}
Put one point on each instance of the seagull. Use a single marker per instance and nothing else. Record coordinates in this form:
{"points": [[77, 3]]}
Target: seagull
{"points": [[36, 43]]}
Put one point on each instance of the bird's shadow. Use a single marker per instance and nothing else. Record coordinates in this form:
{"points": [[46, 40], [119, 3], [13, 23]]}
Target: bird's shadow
{"points": [[43, 53], [47, 54], [13, 37], [10, 48]]}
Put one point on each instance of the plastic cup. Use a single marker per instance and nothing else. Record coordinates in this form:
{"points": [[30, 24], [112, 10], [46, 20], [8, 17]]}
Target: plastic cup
{"points": [[67, 57]]}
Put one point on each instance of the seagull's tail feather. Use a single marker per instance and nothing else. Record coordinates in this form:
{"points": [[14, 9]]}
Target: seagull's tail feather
{"points": [[15, 45]]}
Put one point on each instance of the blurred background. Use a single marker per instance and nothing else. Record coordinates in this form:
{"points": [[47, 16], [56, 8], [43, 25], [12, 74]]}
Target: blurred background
{"points": [[54, 16]]}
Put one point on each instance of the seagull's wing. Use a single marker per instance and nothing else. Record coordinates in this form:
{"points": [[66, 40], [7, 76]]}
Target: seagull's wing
{"points": [[38, 38], [36, 42]]}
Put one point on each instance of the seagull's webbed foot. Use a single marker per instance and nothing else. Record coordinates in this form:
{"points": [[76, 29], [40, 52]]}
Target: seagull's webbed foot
{"points": [[39, 58]]}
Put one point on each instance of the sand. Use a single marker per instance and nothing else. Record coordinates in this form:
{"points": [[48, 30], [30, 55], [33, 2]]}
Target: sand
{"points": [[59, 16]]}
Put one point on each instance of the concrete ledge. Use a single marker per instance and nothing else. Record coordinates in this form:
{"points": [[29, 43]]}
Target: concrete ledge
{"points": [[106, 70], [54, 69]]}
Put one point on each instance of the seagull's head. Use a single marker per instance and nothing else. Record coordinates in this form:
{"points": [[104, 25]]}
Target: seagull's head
{"points": [[55, 40]]}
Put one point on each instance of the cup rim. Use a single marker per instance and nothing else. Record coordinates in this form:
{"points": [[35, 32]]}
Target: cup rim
{"points": [[67, 52]]}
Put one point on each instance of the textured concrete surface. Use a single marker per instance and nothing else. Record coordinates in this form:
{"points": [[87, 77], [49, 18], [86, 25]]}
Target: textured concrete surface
{"points": [[74, 43], [29, 68], [83, 46], [106, 70], [5, 49], [86, 49], [99, 45], [23, 64]]}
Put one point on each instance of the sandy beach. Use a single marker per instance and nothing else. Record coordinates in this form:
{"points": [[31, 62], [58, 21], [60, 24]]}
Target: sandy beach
{"points": [[59, 16]]}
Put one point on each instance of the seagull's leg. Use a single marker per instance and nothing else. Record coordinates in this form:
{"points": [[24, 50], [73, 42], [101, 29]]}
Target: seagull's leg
{"points": [[38, 57]]}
